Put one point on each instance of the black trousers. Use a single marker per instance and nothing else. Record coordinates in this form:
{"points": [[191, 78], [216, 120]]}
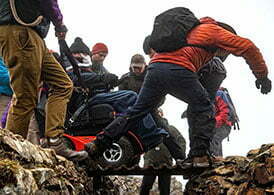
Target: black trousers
{"points": [[163, 184]]}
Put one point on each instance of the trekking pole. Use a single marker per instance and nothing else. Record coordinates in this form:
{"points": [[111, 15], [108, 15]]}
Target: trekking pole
{"points": [[65, 51]]}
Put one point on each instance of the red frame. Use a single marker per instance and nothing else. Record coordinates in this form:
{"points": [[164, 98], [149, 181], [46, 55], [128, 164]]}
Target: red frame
{"points": [[80, 141]]}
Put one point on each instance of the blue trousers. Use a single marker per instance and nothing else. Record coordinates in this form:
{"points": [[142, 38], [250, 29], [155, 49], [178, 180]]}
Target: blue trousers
{"points": [[145, 128], [166, 78]]}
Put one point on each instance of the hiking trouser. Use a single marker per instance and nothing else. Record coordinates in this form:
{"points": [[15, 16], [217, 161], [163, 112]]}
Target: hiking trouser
{"points": [[163, 183], [145, 128], [119, 100], [219, 135], [165, 78], [4, 102], [29, 62], [211, 81]]}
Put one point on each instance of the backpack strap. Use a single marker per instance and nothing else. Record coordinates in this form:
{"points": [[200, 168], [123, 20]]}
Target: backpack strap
{"points": [[236, 123], [65, 51]]}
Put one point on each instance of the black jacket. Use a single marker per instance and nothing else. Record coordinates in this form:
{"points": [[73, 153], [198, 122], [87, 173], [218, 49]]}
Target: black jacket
{"points": [[28, 10], [131, 81]]}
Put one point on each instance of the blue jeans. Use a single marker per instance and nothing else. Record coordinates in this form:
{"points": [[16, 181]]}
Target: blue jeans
{"points": [[165, 78], [119, 100], [145, 128]]}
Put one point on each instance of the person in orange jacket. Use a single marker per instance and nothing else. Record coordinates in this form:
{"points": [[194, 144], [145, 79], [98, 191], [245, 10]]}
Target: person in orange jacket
{"points": [[175, 73]]}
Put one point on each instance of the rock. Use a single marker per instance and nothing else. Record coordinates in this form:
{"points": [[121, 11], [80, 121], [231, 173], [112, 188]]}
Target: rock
{"points": [[29, 169], [130, 185], [249, 175]]}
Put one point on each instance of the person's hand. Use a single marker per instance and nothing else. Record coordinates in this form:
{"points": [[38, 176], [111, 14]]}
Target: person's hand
{"points": [[110, 79], [264, 84], [61, 31]]}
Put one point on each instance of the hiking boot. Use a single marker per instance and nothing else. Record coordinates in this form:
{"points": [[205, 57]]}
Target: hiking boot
{"points": [[202, 162], [61, 149], [207, 161]]}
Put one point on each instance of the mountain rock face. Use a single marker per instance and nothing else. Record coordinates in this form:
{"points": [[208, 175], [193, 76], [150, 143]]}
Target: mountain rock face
{"points": [[251, 175]]}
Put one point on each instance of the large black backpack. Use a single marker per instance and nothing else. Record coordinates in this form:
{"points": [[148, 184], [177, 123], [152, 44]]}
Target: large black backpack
{"points": [[171, 28]]}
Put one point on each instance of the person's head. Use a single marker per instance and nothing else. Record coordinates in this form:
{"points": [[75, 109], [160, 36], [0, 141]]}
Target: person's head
{"points": [[146, 47], [221, 53], [98, 53], [160, 112], [137, 64], [80, 51]]}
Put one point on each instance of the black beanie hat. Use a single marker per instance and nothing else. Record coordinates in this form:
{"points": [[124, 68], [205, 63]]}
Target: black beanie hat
{"points": [[146, 46], [78, 46]]}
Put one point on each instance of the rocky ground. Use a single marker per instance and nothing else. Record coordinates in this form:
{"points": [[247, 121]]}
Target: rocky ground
{"points": [[130, 185], [29, 169], [251, 175]]}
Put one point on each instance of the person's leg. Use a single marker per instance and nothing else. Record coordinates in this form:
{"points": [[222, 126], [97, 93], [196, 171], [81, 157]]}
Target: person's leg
{"points": [[164, 184], [4, 105], [212, 76], [148, 99], [185, 85], [22, 53], [216, 143], [147, 184], [60, 90], [211, 80], [120, 100], [173, 147], [169, 140]]}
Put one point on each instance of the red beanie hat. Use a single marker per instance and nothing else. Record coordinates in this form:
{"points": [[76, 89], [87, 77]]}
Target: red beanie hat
{"points": [[99, 47]]}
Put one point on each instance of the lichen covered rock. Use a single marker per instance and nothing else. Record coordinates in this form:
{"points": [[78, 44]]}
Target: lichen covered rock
{"points": [[253, 174]]}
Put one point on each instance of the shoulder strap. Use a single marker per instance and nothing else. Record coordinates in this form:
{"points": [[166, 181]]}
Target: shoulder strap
{"points": [[64, 50]]}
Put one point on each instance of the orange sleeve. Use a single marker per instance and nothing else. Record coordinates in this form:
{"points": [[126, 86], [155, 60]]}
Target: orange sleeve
{"points": [[241, 47]]}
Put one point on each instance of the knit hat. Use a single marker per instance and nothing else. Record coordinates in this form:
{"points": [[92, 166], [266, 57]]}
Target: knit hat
{"points": [[79, 46], [99, 47], [146, 46], [137, 61]]}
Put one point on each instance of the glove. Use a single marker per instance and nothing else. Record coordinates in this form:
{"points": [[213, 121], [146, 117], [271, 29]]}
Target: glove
{"points": [[61, 31], [264, 84], [110, 79]]}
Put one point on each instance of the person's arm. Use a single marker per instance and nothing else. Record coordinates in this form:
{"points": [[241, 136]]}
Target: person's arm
{"points": [[124, 84], [52, 11], [240, 46]]}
